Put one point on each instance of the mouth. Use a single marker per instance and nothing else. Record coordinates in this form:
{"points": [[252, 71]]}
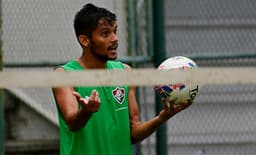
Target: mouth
{"points": [[113, 47]]}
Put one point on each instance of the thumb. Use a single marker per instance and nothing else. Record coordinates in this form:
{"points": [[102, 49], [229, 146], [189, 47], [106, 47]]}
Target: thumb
{"points": [[77, 95]]}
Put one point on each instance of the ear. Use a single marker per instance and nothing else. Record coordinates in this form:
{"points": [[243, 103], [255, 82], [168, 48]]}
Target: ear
{"points": [[84, 40]]}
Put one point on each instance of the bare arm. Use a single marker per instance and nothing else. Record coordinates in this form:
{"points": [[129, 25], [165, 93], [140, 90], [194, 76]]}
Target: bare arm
{"points": [[139, 130], [68, 101]]}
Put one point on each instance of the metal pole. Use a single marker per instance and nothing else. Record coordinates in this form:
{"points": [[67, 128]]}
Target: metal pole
{"points": [[158, 56], [2, 137], [149, 27], [132, 39], [132, 48]]}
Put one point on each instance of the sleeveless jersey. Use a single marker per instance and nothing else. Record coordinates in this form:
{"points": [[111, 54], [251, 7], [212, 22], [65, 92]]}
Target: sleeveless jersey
{"points": [[108, 131]]}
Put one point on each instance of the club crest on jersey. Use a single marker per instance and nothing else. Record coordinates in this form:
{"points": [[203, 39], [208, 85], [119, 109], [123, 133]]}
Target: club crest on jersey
{"points": [[119, 94]]}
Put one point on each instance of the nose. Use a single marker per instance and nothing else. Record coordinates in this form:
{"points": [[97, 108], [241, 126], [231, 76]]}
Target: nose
{"points": [[114, 37]]}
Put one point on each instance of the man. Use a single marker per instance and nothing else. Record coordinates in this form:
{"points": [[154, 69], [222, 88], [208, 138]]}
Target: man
{"points": [[101, 120]]}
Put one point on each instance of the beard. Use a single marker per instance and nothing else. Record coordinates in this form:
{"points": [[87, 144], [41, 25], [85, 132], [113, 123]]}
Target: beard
{"points": [[102, 57]]}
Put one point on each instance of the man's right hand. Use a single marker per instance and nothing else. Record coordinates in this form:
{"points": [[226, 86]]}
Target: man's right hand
{"points": [[90, 104]]}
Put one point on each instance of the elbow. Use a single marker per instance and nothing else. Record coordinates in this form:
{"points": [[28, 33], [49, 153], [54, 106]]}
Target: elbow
{"points": [[135, 140]]}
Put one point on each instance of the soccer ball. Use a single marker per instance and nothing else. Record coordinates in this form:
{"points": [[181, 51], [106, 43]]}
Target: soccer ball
{"points": [[178, 92]]}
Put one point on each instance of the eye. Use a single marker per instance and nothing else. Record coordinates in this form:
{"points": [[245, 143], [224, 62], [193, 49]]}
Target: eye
{"points": [[105, 33]]}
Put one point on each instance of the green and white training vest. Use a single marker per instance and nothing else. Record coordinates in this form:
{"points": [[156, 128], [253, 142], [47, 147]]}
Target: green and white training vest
{"points": [[108, 131]]}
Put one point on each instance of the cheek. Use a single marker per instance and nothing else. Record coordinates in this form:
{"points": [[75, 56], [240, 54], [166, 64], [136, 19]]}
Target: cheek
{"points": [[99, 45]]}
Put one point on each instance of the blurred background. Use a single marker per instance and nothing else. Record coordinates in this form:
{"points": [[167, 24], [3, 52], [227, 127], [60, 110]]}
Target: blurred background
{"points": [[38, 35]]}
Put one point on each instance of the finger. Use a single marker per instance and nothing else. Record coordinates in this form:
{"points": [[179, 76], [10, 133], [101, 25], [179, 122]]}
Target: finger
{"points": [[183, 105], [79, 98], [97, 99], [189, 103], [167, 103], [93, 95], [178, 108], [165, 106], [77, 95], [86, 100], [170, 102]]}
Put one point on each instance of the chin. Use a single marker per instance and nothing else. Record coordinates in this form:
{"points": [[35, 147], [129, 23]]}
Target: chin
{"points": [[112, 58]]}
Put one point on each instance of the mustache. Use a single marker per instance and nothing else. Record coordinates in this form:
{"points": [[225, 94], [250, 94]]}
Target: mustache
{"points": [[113, 46]]}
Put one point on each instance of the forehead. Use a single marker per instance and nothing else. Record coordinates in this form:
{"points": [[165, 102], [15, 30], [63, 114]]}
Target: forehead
{"points": [[106, 22]]}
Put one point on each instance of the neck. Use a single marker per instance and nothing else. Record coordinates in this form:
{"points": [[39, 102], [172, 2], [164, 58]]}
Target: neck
{"points": [[90, 62]]}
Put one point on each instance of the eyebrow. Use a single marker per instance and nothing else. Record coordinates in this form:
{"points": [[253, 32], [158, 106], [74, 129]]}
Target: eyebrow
{"points": [[108, 27]]}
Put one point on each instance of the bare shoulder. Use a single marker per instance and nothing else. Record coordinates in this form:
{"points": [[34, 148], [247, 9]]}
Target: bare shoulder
{"points": [[59, 69], [126, 66]]}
